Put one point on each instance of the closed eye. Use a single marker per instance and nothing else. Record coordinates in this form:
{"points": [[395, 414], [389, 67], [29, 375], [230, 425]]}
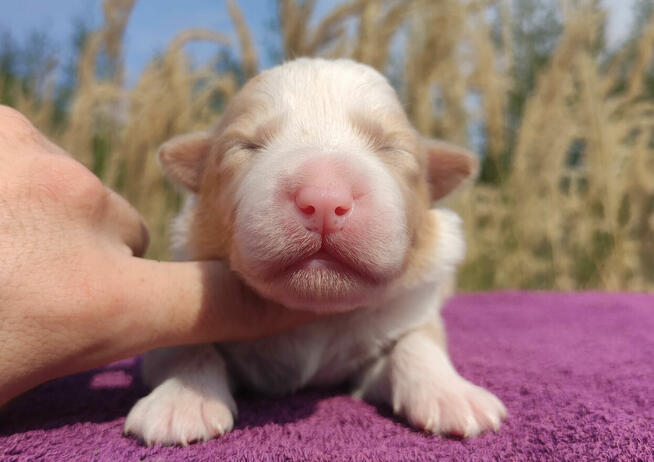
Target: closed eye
{"points": [[378, 138], [252, 139], [390, 149], [395, 148], [251, 146], [402, 161]]}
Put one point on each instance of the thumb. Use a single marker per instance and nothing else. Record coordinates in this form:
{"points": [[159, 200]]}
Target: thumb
{"points": [[201, 302]]}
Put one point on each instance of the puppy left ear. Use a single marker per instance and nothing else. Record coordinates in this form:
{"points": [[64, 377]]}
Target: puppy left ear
{"points": [[183, 158], [448, 167]]}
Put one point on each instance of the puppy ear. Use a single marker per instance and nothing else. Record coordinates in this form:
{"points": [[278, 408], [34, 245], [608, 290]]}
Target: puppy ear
{"points": [[448, 167], [183, 158]]}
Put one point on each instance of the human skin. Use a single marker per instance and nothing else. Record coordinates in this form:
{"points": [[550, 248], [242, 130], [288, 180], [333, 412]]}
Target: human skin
{"points": [[74, 293]]}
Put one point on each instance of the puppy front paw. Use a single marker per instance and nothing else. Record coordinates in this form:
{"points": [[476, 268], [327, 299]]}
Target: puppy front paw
{"points": [[174, 413], [453, 407]]}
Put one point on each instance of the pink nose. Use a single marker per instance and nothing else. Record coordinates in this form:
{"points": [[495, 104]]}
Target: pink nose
{"points": [[322, 209]]}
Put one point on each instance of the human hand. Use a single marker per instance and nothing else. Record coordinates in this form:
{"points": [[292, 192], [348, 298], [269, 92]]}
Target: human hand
{"points": [[74, 295]]}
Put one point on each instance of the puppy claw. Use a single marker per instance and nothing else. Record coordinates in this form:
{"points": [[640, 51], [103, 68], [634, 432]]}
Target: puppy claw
{"points": [[176, 414], [456, 408]]}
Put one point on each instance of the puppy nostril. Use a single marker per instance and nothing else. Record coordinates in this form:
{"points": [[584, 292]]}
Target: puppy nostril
{"points": [[323, 209], [340, 211], [308, 210]]}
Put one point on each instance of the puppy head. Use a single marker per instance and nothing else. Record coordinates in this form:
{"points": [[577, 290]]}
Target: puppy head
{"points": [[314, 186]]}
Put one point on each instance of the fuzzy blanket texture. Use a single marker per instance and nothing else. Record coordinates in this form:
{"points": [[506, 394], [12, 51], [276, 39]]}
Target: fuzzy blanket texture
{"points": [[576, 372]]}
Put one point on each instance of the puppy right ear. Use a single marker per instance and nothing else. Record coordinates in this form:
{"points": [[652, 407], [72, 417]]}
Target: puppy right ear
{"points": [[449, 166], [183, 158]]}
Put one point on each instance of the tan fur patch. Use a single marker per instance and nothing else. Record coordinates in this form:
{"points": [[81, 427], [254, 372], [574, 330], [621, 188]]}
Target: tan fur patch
{"points": [[212, 227]]}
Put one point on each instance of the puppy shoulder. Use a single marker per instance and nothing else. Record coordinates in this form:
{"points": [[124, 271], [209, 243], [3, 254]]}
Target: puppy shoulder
{"points": [[450, 243], [440, 250]]}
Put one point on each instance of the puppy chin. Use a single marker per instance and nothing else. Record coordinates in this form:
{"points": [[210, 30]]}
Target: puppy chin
{"points": [[319, 291]]}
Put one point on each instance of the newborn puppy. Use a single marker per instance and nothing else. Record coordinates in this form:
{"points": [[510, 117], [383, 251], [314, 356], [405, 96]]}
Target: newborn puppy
{"points": [[316, 191]]}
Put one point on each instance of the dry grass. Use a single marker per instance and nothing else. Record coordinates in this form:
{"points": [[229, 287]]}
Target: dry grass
{"points": [[545, 222]]}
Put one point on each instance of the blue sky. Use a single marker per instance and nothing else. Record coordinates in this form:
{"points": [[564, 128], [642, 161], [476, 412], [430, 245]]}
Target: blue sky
{"points": [[155, 22], [152, 25]]}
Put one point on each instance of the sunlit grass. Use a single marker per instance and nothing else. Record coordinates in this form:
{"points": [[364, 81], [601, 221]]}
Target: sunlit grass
{"points": [[567, 199]]}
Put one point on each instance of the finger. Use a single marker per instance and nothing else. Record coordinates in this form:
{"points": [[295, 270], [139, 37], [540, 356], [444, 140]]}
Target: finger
{"points": [[126, 223], [201, 302]]}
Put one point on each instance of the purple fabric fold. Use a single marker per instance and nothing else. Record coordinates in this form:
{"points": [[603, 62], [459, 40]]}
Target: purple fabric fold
{"points": [[576, 372]]}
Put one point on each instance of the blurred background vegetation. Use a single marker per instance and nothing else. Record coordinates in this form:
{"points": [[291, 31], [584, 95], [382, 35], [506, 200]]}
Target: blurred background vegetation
{"points": [[563, 123]]}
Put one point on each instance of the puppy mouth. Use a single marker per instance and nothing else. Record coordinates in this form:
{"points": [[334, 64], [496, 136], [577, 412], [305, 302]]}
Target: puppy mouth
{"points": [[324, 257], [325, 260], [314, 272], [325, 280]]}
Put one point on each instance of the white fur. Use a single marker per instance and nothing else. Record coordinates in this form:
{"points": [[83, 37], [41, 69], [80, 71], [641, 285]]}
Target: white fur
{"points": [[333, 349], [191, 399], [432, 395], [381, 346], [309, 97]]}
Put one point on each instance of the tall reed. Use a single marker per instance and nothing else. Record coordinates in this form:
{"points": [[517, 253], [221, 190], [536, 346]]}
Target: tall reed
{"points": [[571, 202]]}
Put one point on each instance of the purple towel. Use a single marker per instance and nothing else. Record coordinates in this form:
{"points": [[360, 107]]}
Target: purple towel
{"points": [[576, 372]]}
